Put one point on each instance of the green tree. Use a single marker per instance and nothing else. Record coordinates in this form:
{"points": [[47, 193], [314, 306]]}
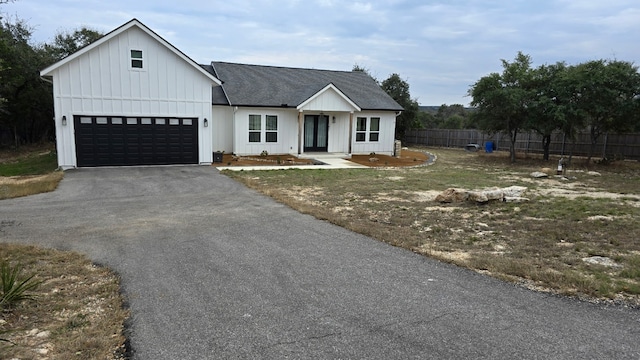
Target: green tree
{"points": [[502, 100], [66, 43], [426, 120], [27, 108], [604, 96], [358, 67], [452, 116], [398, 89], [28, 100], [546, 112]]}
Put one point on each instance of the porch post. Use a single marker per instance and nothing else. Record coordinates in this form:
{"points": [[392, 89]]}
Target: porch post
{"points": [[300, 132], [350, 130]]}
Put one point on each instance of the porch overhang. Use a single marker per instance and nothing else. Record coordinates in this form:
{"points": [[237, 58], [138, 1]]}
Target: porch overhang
{"points": [[329, 99]]}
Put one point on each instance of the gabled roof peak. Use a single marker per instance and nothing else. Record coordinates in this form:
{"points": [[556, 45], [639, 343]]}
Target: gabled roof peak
{"points": [[119, 30]]}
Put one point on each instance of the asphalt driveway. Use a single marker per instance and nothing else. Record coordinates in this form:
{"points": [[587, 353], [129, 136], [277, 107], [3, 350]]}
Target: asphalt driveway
{"points": [[213, 270]]}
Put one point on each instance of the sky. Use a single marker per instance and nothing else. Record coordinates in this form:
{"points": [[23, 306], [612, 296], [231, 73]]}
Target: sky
{"points": [[440, 48]]}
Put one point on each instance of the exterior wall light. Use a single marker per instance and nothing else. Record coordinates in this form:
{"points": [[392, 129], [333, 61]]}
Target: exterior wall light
{"points": [[64, 120], [206, 122]]}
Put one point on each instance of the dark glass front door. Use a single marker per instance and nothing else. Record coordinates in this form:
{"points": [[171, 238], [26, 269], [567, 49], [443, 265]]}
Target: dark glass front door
{"points": [[316, 131]]}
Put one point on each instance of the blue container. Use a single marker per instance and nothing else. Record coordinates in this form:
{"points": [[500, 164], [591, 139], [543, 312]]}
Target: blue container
{"points": [[488, 146]]}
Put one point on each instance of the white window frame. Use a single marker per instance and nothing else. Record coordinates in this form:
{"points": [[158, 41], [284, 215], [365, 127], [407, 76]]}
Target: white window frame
{"points": [[257, 130], [374, 132], [142, 59], [362, 133], [270, 131], [263, 133], [365, 135]]}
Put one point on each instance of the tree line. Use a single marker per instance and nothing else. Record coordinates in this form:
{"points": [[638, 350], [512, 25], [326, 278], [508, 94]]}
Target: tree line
{"points": [[600, 96], [26, 100]]}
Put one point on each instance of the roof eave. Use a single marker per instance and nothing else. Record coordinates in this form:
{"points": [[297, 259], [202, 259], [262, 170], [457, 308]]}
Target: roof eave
{"points": [[325, 89], [48, 71]]}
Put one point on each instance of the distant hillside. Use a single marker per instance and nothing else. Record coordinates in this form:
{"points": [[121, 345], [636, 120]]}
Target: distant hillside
{"points": [[429, 109], [433, 109]]}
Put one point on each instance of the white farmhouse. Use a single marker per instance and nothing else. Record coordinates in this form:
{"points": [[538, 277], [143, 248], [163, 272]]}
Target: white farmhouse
{"points": [[132, 98]]}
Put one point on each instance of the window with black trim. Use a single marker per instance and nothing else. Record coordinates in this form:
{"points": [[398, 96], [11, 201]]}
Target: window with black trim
{"points": [[271, 134], [361, 129], [136, 59], [374, 129], [255, 128]]}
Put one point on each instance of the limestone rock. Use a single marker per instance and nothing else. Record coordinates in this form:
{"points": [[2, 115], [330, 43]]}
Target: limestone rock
{"points": [[511, 194], [515, 199], [452, 195], [602, 260], [494, 193], [478, 196], [539, 175], [514, 191]]}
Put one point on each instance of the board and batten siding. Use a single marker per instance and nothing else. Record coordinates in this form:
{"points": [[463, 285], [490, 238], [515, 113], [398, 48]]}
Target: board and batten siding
{"points": [[222, 127], [102, 82], [327, 101], [287, 132], [338, 137], [385, 143]]}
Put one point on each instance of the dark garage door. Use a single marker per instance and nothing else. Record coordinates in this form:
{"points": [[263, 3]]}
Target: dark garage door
{"points": [[122, 141]]}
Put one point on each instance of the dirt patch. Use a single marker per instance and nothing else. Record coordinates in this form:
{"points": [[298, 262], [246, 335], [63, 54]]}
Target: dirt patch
{"points": [[266, 160], [408, 158]]}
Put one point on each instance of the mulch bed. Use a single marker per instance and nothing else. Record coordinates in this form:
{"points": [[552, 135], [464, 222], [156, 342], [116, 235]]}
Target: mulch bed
{"points": [[407, 158]]}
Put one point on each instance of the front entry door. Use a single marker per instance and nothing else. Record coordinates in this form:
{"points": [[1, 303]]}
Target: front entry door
{"points": [[316, 131]]}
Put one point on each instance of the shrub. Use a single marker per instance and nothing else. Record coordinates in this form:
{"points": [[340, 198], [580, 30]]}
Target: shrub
{"points": [[15, 288]]}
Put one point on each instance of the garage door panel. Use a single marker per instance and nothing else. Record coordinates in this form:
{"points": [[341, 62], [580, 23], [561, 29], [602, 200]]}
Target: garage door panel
{"points": [[121, 141]]}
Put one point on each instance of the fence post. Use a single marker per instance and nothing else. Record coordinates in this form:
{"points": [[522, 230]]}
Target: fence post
{"points": [[604, 149]]}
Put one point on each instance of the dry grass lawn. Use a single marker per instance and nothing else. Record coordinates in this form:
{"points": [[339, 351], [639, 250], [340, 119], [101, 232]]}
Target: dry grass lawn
{"points": [[77, 312], [577, 236], [17, 186], [28, 170]]}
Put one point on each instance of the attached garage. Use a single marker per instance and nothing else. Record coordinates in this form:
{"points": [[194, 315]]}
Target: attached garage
{"points": [[126, 141], [131, 98]]}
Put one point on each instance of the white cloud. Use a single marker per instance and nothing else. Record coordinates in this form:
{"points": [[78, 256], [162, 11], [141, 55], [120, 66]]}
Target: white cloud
{"points": [[441, 47]]}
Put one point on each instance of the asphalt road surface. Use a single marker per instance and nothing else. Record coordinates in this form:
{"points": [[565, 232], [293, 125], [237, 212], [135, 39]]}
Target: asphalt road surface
{"points": [[213, 270]]}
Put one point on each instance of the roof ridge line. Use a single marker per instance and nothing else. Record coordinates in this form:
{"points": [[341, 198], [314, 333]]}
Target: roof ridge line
{"points": [[282, 67]]}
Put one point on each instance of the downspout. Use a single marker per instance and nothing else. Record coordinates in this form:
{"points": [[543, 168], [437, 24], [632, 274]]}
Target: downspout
{"points": [[350, 132], [300, 132], [233, 126]]}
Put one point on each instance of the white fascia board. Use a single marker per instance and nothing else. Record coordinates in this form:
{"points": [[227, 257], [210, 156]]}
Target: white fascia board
{"points": [[325, 89], [134, 22]]}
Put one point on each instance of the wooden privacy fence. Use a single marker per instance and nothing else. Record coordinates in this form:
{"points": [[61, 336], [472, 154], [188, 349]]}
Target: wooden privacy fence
{"points": [[625, 146]]}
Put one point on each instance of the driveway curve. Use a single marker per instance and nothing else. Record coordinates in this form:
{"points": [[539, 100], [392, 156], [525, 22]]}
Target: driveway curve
{"points": [[213, 270]]}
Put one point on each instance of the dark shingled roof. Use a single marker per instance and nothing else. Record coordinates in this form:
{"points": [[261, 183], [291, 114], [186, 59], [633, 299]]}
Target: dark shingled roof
{"points": [[270, 86]]}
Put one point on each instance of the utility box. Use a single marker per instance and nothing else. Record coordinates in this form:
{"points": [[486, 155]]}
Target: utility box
{"points": [[217, 156], [397, 148]]}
